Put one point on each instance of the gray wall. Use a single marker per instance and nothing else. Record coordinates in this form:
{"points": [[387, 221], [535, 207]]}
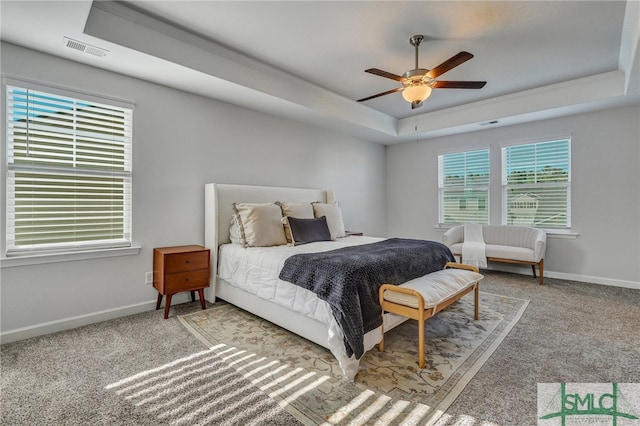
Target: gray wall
{"points": [[181, 142], [605, 191]]}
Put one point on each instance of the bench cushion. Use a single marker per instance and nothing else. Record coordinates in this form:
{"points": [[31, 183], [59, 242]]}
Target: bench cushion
{"points": [[435, 287]]}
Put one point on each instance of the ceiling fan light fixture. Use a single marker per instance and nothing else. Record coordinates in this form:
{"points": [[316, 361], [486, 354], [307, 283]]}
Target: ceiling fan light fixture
{"points": [[418, 82], [416, 93]]}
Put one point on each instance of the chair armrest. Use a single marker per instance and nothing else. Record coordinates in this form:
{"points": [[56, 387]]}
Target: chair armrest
{"points": [[453, 236], [540, 246]]}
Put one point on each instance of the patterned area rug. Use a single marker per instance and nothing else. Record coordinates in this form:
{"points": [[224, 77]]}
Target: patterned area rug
{"points": [[389, 388]]}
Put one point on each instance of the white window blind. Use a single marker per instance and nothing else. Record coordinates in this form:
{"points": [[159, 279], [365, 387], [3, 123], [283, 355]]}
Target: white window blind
{"points": [[69, 173], [463, 186], [536, 184]]}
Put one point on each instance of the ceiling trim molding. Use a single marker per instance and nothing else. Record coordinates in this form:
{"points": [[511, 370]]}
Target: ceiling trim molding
{"points": [[465, 118], [119, 24], [209, 69]]}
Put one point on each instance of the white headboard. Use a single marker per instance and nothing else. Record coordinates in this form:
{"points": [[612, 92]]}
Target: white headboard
{"points": [[218, 200]]}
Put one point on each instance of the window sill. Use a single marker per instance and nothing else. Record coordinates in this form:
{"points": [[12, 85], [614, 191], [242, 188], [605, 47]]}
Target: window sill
{"points": [[562, 235], [27, 260], [551, 233]]}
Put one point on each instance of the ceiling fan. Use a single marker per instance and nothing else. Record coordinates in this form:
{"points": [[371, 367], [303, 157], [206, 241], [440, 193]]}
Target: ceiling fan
{"points": [[418, 82]]}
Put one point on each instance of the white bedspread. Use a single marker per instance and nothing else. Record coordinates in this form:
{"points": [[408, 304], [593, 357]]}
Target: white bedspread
{"points": [[256, 270]]}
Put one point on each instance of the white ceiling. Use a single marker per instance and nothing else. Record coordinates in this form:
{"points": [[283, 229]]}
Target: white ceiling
{"points": [[306, 60]]}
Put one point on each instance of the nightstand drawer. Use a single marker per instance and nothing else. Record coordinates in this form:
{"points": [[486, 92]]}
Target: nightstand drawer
{"points": [[186, 261], [183, 281]]}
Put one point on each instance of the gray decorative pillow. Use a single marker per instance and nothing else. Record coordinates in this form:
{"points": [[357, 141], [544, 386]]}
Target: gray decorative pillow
{"points": [[308, 230]]}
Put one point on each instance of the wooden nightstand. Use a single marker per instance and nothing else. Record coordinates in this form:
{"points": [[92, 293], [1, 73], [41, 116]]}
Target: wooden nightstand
{"points": [[180, 268]]}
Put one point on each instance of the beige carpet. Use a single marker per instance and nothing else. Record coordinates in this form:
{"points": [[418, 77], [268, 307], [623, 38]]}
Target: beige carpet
{"points": [[304, 378]]}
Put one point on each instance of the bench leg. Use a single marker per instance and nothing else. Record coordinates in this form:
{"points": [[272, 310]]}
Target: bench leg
{"points": [[421, 341], [381, 344]]}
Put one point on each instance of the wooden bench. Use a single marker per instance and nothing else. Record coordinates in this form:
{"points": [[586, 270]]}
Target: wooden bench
{"points": [[423, 297]]}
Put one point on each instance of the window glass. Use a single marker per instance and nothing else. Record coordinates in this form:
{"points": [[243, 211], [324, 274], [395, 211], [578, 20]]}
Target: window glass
{"points": [[536, 184], [69, 173], [463, 186]]}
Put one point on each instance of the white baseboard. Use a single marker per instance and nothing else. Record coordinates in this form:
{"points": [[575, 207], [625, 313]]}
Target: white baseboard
{"points": [[78, 321], [593, 280], [565, 276]]}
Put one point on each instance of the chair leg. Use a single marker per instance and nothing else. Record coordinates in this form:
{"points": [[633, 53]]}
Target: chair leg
{"points": [[421, 342], [533, 268], [541, 266]]}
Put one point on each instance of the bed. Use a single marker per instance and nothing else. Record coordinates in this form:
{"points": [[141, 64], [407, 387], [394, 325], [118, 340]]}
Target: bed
{"points": [[260, 292]]}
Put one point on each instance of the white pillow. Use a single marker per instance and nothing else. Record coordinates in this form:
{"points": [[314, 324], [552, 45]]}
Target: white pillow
{"points": [[333, 212], [297, 210], [234, 231], [260, 224]]}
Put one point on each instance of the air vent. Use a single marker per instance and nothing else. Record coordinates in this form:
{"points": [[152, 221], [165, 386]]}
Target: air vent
{"points": [[84, 47]]}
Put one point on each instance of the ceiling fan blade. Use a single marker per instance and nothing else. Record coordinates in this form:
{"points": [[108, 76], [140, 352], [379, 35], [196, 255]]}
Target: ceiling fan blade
{"points": [[449, 64], [381, 94], [459, 84], [385, 74]]}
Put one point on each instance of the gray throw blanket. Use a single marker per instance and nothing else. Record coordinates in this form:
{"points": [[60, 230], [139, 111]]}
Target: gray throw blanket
{"points": [[349, 278]]}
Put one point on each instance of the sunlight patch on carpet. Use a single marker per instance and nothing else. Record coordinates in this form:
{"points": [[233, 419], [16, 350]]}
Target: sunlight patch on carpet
{"points": [[389, 388], [198, 389]]}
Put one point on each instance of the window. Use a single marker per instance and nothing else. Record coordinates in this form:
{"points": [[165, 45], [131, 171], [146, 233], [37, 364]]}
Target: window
{"points": [[536, 184], [463, 186], [69, 173]]}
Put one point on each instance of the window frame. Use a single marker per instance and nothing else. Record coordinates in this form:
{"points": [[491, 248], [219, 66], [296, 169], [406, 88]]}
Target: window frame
{"points": [[36, 255], [566, 184], [442, 188]]}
